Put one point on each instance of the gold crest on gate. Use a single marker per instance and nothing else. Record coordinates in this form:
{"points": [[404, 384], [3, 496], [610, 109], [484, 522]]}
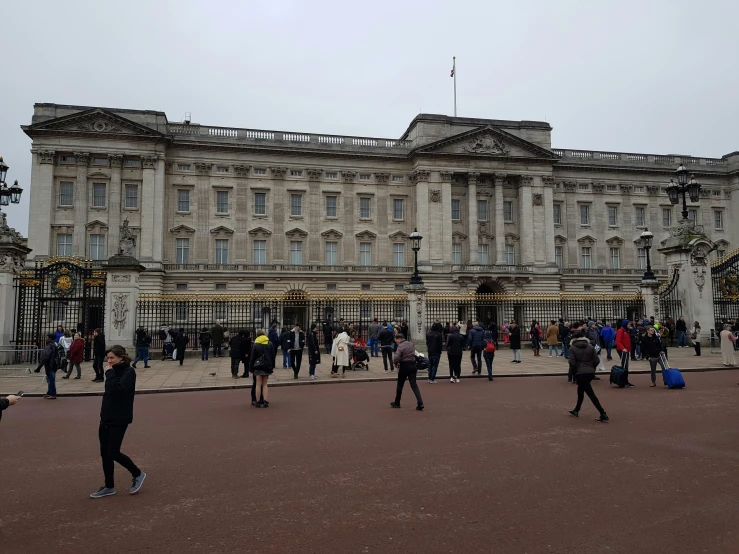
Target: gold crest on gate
{"points": [[730, 287]]}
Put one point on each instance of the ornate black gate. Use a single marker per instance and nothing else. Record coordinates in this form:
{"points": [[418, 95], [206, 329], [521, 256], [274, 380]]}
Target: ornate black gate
{"points": [[59, 291], [725, 280], [669, 300]]}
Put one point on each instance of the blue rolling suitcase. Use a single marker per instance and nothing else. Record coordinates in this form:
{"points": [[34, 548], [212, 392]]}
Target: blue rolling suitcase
{"points": [[672, 376], [618, 376]]}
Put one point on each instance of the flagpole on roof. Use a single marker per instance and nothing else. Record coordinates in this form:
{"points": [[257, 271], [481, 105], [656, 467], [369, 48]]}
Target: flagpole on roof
{"points": [[454, 75]]}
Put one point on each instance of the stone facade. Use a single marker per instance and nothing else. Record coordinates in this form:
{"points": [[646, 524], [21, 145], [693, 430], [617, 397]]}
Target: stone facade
{"points": [[216, 208]]}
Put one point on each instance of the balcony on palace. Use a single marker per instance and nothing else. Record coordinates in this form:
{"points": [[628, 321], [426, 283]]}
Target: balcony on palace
{"points": [[605, 271], [292, 268]]}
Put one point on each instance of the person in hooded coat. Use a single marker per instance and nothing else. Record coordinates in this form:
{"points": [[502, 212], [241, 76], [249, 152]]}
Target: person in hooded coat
{"points": [[454, 348], [583, 360], [180, 343], [515, 341], [340, 353]]}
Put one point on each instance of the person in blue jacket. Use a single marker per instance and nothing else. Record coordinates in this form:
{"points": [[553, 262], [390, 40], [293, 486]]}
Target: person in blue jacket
{"points": [[609, 337]]}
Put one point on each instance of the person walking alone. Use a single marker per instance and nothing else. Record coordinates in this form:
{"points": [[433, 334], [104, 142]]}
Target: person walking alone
{"points": [[385, 337], [475, 340], [205, 338], [434, 344], [297, 343], [261, 365], [180, 344], [285, 346], [143, 341], [584, 360], [405, 360], [116, 414], [727, 345], [98, 355], [488, 352], [695, 336], [340, 353], [50, 358], [314, 354], [535, 334], [515, 341], [454, 349], [609, 336], [553, 338], [623, 347]]}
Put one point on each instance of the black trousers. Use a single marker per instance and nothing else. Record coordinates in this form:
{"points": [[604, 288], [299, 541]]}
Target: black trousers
{"points": [[455, 364], [476, 358], [97, 366], [111, 438], [407, 371], [584, 387], [387, 357], [254, 390], [296, 357], [697, 347], [235, 363]]}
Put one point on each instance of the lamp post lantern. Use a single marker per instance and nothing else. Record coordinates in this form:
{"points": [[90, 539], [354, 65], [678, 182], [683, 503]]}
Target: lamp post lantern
{"points": [[8, 194], [416, 246], [646, 239], [683, 187]]}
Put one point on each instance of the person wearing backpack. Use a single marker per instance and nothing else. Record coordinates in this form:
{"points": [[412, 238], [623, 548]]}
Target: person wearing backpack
{"points": [[205, 338], [50, 359], [488, 352]]}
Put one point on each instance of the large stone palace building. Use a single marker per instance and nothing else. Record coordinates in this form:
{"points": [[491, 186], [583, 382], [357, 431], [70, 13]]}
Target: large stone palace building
{"points": [[241, 210]]}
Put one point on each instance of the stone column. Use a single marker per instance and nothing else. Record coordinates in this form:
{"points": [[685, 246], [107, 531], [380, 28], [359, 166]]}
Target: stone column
{"points": [[13, 252], [732, 194], [121, 298], [651, 298], [148, 219], [279, 200], [688, 248], [472, 216], [81, 202], [314, 215], [423, 219], [417, 323], [548, 183], [499, 222], [526, 219], [160, 212], [44, 198], [444, 202], [114, 203]]}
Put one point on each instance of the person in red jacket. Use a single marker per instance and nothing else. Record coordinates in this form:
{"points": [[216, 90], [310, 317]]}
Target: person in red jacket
{"points": [[76, 351], [623, 347]]}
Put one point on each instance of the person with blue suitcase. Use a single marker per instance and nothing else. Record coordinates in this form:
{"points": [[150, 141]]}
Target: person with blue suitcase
{"points": [[652, 349]]}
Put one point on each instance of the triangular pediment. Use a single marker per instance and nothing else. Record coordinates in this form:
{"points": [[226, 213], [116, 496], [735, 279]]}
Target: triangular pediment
{"points": [[332, 234], [182, 229], [459, 235], [615, 241], [260, 232], [95, 121], [399, 235], [222, 229], [559, 240], [487, 141], [587, 239], [294, 233], [97, 223], [366, 235]]}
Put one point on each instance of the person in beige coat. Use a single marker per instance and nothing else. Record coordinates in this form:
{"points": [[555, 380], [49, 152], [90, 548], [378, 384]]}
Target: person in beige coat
{"points": [[340, 352], [727, 345], [553, 338]]}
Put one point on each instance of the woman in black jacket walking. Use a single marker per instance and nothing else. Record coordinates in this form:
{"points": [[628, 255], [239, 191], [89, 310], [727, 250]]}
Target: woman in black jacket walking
{"points": [[584, 360], [454, 349], [261, 365], [180, 344], [98, 355], [314, 355], [116, 415]]}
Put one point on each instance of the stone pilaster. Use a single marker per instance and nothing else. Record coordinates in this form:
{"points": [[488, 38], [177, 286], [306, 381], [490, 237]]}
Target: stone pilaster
{"points": [[732, 195], [499, 222], [81, 202], [44, 198], [472, 216], [280, 213], [160, 212], [548, 183], [13, 252], [526, 219], [121, 297], [423, 219], [417, 323], [442, 210], [651, 298], [114, 202], [201, 215]]}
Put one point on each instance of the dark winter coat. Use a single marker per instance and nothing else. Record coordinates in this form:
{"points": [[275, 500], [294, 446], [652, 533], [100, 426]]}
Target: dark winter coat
{"points": [[651, 346], [142, 339], [455, 343], [328, 332], [291, 341], [386, 337], [216, 334], [285, 340], [98, 346], [49, 357], [582, 356], [314, 354], [434, 343], [77, 351], [258, 351], [180, 343], [515, 338], [120, 387], [205, 338], [475, 337], [680, 325], [236, 348], [274, 338]]}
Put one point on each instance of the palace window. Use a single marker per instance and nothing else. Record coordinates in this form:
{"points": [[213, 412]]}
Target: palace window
{"points": [[364, 208], [98, 195], [557, 211], [183, 167], [366, 287], [398, 178], [482, 210], [587, 288], [222, 202], [221, 286], [180, 287], [97, 247], [666, 217], [456, 209], [718, 219], [612, 216], [398, 254], [100, 161], [508, 211], [132, 163], [365, 253], [132, 197], [510, 254], [693, 215], [331, 287], [716, 192], [296, 173], [66, 194], [558, 256], [64, 245], [611, 188], [640, 218], [332, 253], [331, 175], [639, 189], [584, 214], [398, 209], [457, 253], [720, 254], [641, 258], [399, 287], [221, 169], [583, 186], [296, 252], [260, 203], [183, 200], [615, 258], [331, 206], [221, 251], [260, 286], [183, 251], [296, 205], [482, 254], [260, 171], [586, 257], [364, 176], [260, 252], [617, 288], [67, 159]]}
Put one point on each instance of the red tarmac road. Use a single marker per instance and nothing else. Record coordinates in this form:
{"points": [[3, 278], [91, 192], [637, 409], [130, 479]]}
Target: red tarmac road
{"points": [[488, 467]]}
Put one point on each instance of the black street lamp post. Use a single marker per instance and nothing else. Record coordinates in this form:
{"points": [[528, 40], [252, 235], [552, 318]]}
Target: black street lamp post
{"points": [[683, 187], [416, 246], [8, 194], [646, 242]]}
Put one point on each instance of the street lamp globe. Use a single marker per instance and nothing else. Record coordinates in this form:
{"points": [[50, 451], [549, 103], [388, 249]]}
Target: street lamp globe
{"points": [[673, 192], [416, 240], [694, 189], [682, 175], [646, 238], [15, 192], [4, 194], [3, 170]]}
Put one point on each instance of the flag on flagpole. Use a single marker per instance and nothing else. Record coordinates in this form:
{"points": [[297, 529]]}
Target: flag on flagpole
{"points": [[452, 75]]}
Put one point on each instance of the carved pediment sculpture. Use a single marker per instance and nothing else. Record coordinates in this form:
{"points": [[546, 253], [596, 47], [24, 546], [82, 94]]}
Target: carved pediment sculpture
{"points": [[598, 188], [242, 170], [278, 172], [366, 235], [537, 199], [459, 236], [382, 178], [570, 186], [615, 241], [349, 176], [314, 174], [222, 230], [260, 232], [653, 190], [127, 242], [95, 121], [434, 195], [487, 144], [332, 234], [626, 189], [182, 229], [587, 239], [398, 236], [296, 233]]}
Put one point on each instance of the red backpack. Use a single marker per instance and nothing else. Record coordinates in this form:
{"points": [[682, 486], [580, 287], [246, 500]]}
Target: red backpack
{"points": [[489, 346]]}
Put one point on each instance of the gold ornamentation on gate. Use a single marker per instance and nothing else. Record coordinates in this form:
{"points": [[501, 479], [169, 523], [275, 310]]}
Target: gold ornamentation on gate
{"points": [[730, 287]]}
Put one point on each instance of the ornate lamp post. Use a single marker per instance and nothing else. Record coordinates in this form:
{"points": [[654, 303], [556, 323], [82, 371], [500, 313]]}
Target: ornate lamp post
{"points": [[645, 241], [11, 194], [683, 187], [416, 246]]}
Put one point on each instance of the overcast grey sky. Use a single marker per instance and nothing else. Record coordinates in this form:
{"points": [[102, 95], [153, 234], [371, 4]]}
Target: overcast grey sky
{"points": [[654, 76]]}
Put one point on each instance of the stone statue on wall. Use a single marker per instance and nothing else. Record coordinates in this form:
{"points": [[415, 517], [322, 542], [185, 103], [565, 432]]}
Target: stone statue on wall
{"points": [[127, 244]]}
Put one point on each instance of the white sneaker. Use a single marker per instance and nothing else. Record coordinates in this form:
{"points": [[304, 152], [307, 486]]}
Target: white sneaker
{"points": [[451, 380], [550, 355], [456, 380]]}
